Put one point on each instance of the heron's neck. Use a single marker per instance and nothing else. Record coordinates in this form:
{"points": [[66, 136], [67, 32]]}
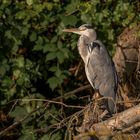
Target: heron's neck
{"points": [[82, 47], [83, 43]]}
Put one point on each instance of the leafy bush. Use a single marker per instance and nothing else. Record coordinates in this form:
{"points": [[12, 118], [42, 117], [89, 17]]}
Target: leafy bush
{"points": [[35, 55]]}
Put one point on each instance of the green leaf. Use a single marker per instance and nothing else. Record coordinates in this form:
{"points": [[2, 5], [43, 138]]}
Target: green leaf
{"points": [[86, 18], [29, 64], [53, 82], [48, 5], [50, 56], [8, 34], [45, 137], [20, 61], [27, 136], [46, 48], [37, 48], [55, 136], [39, 41], [20, 15], [2, 70], [25, 31], [14, 48], [33, 37], [16, 73], [7, 82], [54, 39], [38, 7], [60, 56], [69, 20], [110, 34], [61, 78], [24, 79], [72, 7], [59, 44], [50, 48], [18, 113], [10, 93], [29, 2], [53, 69], [20, 81], [66, 52], [58, 72]]}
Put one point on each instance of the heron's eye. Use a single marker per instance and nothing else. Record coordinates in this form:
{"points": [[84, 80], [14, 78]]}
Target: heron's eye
{"points": [[82, 28]]}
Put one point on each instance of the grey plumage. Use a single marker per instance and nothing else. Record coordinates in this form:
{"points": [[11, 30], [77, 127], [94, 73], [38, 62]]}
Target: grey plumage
{"points": [[99, 67], [101, 73]]}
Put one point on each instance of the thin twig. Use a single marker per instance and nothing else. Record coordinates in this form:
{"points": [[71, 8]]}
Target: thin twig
{"points": [[18, 122], [13, 107], [134, 126], [50, 101], [57, 125], [66, 95]]}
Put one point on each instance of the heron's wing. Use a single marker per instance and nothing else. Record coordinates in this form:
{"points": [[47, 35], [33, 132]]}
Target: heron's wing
{"points": [[93, 58], [101, 73], [92, 46], [100, 68]]}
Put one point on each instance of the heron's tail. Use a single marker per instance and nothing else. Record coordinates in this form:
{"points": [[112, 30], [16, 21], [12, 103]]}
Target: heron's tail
{"points": [[110, 100], [111, 105]]}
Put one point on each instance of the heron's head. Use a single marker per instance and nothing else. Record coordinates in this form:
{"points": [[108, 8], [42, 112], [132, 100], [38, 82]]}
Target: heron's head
{"points": [[85, 30]]}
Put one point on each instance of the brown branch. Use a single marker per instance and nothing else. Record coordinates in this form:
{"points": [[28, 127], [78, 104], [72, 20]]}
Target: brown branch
{"points": [[68, 94], [120, 121], [134, 126], [59, 125], [51, 101], [48, 101]]}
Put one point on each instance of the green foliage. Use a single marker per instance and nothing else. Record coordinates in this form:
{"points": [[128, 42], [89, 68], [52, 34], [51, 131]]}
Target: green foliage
{"points": [[33, 48], [54, 137], [18, 113]]}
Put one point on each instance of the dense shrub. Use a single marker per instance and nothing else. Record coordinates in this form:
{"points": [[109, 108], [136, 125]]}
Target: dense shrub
{"points": [[36, 56]]}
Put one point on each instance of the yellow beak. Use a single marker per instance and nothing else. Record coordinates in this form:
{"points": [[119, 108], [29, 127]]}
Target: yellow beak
{"points": [[72, 30]]}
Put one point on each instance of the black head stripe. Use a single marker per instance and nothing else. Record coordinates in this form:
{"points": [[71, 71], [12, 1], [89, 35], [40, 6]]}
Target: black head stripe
{"points": [[93, 45], [87, 26]]}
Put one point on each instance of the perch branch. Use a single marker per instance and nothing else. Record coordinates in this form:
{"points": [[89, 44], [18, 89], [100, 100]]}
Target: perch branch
{"points": [[119, 121]]}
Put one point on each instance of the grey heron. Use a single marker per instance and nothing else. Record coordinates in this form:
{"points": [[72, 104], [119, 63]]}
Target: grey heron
{"points": [[99, 67]]}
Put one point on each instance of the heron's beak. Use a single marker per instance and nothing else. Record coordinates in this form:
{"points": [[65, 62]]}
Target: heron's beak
{"points": [[73, 30]]}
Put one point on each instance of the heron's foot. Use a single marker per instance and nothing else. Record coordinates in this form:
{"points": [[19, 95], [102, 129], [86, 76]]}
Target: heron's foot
{"points": [[96, 96], [103, 115]]}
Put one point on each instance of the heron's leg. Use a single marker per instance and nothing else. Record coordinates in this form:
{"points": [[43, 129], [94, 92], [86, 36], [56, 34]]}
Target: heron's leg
{"points": [[96, 99], [103, 115], [96, 96], [100, 105]]}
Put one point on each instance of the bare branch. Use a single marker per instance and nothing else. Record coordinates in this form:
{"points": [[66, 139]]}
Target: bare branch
{"points": [[68, 94], [29, 100], [120, 121], [134, 126]]}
